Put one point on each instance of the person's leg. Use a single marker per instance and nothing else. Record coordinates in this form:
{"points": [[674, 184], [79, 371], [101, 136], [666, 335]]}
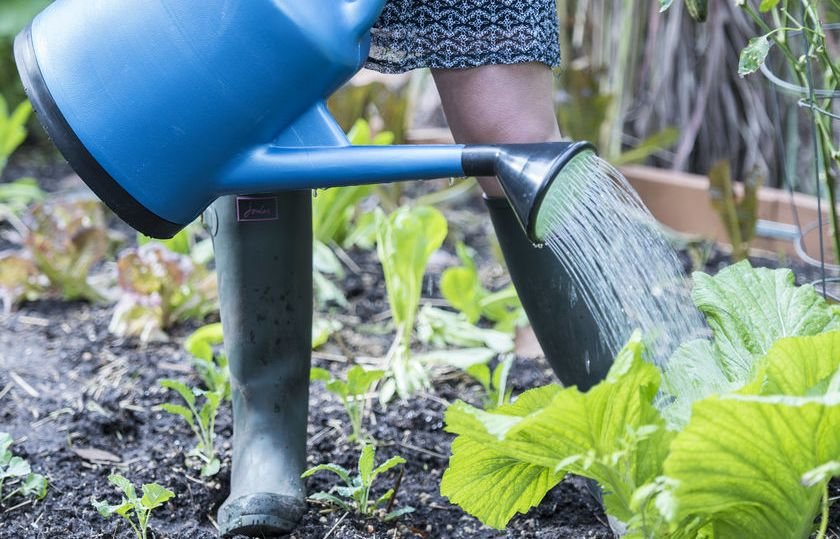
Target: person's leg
{"points": [[265, 285], [499, 104], [507, 104]]}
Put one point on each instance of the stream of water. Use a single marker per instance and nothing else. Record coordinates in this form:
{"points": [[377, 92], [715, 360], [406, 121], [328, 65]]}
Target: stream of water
{"points": [[622, 265]]}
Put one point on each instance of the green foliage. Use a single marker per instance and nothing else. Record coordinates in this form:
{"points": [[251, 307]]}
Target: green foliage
{"points": [[202, 421], [12, 128], [354, 495], [135, 510], [753, 55], [739, 215], [689, 478], [441, 328], [16, 477], [18, 195], [158, 289], [352, 393], [496, 391], [463, 290], [209, 359], [405, 241]]}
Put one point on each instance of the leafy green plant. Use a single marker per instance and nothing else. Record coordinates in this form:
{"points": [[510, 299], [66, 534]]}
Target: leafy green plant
{"points": [[496, 391], [135, 510], [158, 289], [405, 240], [354, 495], [462, 288], [202, 421], [738, 215], [12, 128], [352, 393], [66, 238], [209, 359], [767, 386], [16, 476]]}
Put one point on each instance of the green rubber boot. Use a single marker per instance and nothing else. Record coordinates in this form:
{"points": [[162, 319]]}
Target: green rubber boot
{"points": [[561, 321], [264, 262]]}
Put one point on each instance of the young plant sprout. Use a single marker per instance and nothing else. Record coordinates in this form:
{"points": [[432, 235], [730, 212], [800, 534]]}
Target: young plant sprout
{"points": [[16, 477], [136, 511], [202, 422], [352, 393], [496, 391], [209, 361], [463, 290], [354, 496]]}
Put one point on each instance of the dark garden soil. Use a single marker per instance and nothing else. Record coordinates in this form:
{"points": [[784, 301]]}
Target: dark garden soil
{"points": [[82, 404]]}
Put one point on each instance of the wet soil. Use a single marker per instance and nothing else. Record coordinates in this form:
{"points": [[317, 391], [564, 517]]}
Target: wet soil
{"points": [[67, 386]]}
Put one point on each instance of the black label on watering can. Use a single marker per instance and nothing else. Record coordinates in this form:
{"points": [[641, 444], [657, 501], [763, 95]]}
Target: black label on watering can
{"points": [[251, 209]]}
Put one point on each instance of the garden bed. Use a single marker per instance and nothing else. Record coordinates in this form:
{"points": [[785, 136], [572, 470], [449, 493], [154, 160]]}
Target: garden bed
{"points": [[83, 404]]}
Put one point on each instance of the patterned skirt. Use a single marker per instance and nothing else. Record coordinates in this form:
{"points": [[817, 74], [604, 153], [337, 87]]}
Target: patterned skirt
{"points": [[464, 33]]}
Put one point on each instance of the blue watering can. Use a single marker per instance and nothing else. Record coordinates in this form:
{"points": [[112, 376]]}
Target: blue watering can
{"points": [[162, 106]]}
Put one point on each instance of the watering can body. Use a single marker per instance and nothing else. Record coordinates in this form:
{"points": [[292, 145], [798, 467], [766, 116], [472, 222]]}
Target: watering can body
{"points": [[162, 106], [158, 91]]}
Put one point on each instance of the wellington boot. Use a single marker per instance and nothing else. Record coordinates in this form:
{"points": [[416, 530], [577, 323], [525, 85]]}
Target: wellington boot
{"points": [[264, 262], [561, 321]]}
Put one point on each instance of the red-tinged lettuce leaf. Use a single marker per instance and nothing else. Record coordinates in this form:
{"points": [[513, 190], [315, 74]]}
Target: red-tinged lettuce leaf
{"points": [[160, 288], [66, 239]]}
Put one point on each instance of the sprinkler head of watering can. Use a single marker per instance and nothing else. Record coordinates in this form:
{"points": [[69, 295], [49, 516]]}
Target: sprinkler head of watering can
{"points": [[529, 174]]}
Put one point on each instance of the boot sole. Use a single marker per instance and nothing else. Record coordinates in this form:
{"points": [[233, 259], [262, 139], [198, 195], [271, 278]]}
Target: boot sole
{"points": [[258, 526], [259, 515]]}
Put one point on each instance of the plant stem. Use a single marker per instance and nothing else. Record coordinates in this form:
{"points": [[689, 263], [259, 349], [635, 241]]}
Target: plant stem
{"points": [[824, 517]]}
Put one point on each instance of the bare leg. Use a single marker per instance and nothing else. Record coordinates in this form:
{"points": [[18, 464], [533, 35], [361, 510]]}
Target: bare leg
{"points": [[498, 104]]}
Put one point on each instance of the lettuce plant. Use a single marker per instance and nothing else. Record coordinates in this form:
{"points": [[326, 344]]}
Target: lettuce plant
{"points": [[405, 240], [749, 456], [135, 510], [496, 390], [352, 393], [19, 280], [158, 289], [202, 421], [66, 238], [354, 495], [16, 477]]}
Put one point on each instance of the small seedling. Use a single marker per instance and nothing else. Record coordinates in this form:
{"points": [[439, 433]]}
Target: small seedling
{"points": [[136, 511], [463, 290], [209, 361], [352, 393], [354, 496], [495, 384], [201, 421], [16, 477]]}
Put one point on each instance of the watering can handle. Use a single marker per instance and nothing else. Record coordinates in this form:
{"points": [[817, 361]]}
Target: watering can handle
{"points": [[361, 14]]}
